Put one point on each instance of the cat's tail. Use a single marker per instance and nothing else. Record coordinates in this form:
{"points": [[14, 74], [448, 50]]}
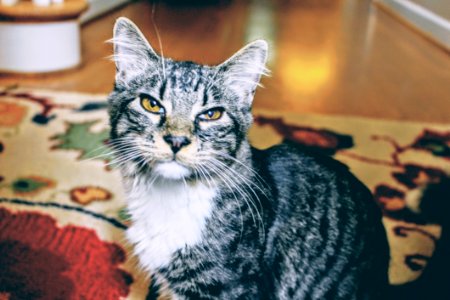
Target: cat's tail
{"points": [[432, 204]]}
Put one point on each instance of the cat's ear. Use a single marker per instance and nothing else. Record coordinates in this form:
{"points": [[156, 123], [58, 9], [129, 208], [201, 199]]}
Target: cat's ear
{"points": [[133, 54], [242, 72]]}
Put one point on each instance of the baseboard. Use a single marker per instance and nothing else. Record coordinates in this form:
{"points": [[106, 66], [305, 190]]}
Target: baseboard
{"points": [[429, 23], [99, 7]]}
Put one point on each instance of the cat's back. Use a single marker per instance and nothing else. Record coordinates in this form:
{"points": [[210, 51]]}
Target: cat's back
{"points": [[326, 240], [296, 173]]}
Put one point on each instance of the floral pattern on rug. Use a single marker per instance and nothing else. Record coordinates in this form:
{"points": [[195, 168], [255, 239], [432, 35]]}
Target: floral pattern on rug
{"points": [[41, 260], [62, 202], [85, 195], [79, 137]]}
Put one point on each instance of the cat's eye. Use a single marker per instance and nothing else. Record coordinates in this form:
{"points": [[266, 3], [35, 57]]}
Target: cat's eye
{"points": [[211, 115], [151, 105]]}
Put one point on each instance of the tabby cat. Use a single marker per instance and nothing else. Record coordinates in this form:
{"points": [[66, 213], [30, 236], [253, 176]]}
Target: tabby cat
{"points": [[215, 218]]}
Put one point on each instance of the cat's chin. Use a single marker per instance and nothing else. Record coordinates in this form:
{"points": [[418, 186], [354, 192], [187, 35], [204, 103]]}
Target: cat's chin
{"points": [[171, 170]]}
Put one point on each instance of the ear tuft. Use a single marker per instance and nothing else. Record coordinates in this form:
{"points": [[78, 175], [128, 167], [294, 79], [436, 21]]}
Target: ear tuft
{"points": [[242, 72], [132, 53]]}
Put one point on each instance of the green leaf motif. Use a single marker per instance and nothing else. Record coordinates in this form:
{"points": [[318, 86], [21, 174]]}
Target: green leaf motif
{"points": [[124, 215], [31, 184], [26, 185], [79, 136]]}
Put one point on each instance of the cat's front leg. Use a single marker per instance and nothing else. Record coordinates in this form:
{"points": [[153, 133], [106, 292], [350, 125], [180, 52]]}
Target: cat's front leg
{"points": [[240, 291], [209, 278]]}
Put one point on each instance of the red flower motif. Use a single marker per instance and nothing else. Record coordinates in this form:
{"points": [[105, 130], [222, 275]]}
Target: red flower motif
{"points": [[392, 203], [413, 175], [388, 198], [321, 140], [43, 261]]}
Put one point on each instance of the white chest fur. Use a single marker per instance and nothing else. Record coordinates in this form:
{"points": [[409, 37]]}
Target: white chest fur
{"points": [[166, 216]]}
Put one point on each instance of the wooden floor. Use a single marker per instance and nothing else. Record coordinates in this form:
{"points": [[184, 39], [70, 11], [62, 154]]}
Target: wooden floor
{"points": [[333, 56]]}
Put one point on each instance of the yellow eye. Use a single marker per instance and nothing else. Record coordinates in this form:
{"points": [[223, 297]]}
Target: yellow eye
{"points": [[151, 105], [211, 115]]}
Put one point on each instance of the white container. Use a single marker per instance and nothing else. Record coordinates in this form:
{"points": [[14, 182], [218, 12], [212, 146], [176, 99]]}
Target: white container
{"points": [[39, 47], [8, 2], [42, 2]]}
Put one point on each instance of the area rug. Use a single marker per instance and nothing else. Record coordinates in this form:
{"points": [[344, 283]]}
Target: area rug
{"points": [[62, 216]]}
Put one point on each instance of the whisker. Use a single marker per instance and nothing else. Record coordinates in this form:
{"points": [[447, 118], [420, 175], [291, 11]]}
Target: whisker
{"points": [[248, 184], [235, 199], [246, 197], [260, 180], [126, 157], [159, 41], [250, 169]]}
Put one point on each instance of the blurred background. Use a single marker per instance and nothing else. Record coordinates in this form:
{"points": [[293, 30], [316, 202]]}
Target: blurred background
{"points": [[384, 59], [336, 65]]}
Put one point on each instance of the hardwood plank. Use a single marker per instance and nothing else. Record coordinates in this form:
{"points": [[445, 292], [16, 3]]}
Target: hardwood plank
{"points": [[348, 57]]}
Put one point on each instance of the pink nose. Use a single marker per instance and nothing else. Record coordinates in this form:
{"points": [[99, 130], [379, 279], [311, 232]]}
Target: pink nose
{"points": [[176, 142]]}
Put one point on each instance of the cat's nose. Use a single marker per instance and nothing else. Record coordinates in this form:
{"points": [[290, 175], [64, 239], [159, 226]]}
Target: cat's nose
{"points": [[176, 142]]}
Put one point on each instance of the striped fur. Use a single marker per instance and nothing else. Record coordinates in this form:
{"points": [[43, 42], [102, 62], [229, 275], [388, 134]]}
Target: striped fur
{"points": [[219, 219]]}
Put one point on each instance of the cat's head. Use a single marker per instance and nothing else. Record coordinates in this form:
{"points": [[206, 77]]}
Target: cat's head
{"points": [[180, 119]]}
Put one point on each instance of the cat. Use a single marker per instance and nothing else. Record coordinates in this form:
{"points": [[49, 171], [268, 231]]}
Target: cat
{"points": [[213, 217]]}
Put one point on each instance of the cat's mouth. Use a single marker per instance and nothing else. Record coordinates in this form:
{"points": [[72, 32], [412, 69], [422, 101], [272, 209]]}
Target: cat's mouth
{"points": [[171, 170]]}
